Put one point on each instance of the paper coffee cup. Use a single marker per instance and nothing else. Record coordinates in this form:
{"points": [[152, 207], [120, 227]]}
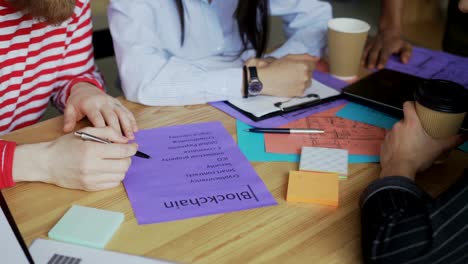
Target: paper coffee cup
{"points": [[441, 106], [346, 40]]}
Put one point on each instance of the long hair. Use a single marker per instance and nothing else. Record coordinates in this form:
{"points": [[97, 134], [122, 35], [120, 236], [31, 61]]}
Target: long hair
{"points": [[52, 12], [252, 18]]}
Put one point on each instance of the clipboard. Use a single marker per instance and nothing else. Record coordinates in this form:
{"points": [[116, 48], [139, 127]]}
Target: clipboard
{"points": [[263, 107]]}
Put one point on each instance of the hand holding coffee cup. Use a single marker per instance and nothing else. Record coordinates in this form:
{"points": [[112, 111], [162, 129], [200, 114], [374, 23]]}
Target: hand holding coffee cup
{"points": [[441, 107], [346, 40]]}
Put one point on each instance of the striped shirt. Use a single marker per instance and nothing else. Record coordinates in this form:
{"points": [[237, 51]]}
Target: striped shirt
{"points": [[403, 224], [41, 63]]}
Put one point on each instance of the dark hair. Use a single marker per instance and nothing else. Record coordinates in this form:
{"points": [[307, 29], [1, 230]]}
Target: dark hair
{"points": [[252, 18]]}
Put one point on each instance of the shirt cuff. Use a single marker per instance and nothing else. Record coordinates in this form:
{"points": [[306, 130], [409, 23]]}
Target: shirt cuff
{"points": [[229, 83], [6, 169], [83, 79], [398, 183]]}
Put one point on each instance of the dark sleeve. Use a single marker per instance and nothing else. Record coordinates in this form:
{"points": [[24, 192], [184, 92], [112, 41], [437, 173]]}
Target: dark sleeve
{"points": [[401, 223], [394, 221]]}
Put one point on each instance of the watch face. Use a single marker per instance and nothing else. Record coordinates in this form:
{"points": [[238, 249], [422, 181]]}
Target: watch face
{"points": [[255, 87]]}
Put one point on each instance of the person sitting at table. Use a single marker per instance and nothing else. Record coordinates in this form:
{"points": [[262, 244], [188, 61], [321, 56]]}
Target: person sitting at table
{"points": [[389, 39], [192, 52], [47, 54], [400, 222]]}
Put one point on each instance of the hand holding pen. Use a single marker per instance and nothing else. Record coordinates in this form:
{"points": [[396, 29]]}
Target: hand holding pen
{"points": [[73, 163]]}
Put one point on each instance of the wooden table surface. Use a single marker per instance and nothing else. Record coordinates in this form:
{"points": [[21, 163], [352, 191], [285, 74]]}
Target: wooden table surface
{"points": [[286, 233]]}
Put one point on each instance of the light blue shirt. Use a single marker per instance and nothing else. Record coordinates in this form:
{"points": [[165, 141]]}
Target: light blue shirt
{"points": [[155, 69]]}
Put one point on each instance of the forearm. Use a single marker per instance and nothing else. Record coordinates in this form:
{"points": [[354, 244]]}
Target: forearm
{"points": [[391, 15]]}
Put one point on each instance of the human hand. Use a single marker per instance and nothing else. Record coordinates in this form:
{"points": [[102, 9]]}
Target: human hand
{"points": [[71, 162], [287, 76], [463, 6], [100, 108], [381, 47], [408, 149]]}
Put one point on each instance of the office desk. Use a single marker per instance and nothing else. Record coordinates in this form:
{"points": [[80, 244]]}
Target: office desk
{"points": [[287, 233]]}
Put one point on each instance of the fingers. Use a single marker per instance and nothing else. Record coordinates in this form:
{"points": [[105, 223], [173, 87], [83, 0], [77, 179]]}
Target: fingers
{"points": [[96, 119], [453, 142], [116, 151], [114, 167], [365, 53], [127, 122], [373, 56], [383, 58], [111, 119], [69, 119], [106, 133], [406, 52]]}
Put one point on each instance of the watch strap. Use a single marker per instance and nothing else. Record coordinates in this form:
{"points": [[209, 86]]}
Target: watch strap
{"points": [[253, 72], [245, 90]]}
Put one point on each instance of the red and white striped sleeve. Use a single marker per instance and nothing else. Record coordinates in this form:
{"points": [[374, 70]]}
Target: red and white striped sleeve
{"points": [[7, 152], [78, 63]]}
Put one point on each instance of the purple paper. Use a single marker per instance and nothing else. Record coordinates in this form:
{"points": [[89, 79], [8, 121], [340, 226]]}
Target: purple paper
{"points": [[433, 64], [195, 170], [289, 117]]}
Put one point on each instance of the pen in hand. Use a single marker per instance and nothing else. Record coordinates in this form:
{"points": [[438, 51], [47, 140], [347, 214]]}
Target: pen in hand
{"points": [[86, 136]]}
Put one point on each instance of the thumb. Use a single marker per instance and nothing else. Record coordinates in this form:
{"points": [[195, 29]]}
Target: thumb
{"points": [[409, 111], [69, 119]]}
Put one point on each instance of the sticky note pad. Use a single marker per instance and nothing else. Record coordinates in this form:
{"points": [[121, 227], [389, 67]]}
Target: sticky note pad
{"points": [[313, 187], [324, 160], [87, 226]]}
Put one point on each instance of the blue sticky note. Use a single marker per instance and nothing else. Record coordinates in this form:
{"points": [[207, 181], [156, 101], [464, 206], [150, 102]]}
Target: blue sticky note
{"points": [[253, 147], [87, 226], [367, 115]]}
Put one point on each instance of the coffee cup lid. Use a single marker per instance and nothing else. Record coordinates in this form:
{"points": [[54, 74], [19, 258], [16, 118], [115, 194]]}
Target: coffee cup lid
{"points": [[442, 95]]}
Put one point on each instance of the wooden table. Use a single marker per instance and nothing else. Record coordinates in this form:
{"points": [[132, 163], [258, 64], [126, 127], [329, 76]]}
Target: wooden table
{"points": [[287, 233]]}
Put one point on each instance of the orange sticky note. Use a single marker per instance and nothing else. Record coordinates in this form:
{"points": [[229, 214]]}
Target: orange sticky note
{"points": [[313, 187]]}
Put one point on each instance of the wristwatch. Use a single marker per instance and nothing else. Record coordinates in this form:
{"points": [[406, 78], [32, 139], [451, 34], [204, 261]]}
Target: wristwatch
{"points": [[255, 85]]}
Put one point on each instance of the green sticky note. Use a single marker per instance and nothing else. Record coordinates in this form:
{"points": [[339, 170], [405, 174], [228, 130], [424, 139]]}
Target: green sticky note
{"points": [[87, 226]]}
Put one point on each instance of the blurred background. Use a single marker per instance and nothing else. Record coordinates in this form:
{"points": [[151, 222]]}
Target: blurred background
{"points": [[423, 24]]}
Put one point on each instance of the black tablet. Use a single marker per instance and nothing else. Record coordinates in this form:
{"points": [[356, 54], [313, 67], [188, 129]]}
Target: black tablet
{"points": [[386, 91]]}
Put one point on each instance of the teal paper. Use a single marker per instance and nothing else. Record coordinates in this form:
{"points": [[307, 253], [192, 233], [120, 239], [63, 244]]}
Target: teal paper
{"points": [[373, 117], [367, 115], [253, 147], [464, 147], [87, 226]]}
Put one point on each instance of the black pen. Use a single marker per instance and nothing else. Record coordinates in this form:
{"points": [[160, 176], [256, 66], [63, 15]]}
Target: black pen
{"points": [[86, 136], [286, 130]]}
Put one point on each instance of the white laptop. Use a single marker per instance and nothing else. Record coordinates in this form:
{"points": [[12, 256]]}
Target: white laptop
{"points": [[42, 251]]}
